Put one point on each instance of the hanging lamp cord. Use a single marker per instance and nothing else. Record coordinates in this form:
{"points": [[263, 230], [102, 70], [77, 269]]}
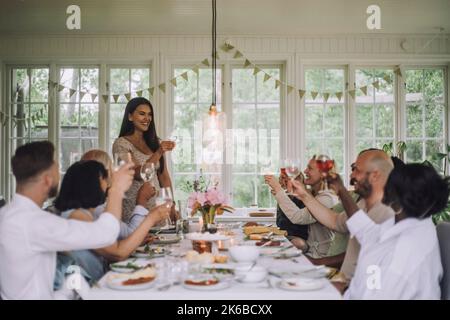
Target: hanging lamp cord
{"points": [[214, 50]]}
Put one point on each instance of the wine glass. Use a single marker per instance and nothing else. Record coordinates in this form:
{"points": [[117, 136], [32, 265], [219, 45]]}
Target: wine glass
{"points": [[147, 171], [268, 170], [292, 169], [165, 197], [120, 158], [325, 164]]}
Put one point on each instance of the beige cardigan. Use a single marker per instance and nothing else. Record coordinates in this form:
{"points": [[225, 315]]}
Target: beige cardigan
{"points": [[319, 236]]}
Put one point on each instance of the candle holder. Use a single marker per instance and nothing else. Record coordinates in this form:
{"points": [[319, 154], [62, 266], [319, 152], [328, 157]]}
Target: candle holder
{"points": [[202, 246]]}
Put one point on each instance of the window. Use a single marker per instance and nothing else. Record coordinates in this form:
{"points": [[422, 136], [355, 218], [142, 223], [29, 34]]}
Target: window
{"points": [[29, 108], [124, 80], [78, 114], [324, 119], [425, 114], [375, 111], [192, 100], [256, 134], [254, 116]]}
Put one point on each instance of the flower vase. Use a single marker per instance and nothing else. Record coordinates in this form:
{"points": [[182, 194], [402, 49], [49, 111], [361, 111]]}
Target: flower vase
{"points": [[209, 216]]}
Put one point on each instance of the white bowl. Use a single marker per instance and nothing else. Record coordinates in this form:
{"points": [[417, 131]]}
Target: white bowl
{"points": [[244, 253], [246, 273]]}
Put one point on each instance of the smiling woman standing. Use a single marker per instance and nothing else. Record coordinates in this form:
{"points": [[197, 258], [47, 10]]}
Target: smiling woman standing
{"points": [[138, 136]]}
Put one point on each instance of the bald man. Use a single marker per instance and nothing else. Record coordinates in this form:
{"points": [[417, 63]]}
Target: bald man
{"points": [[370, 173]]}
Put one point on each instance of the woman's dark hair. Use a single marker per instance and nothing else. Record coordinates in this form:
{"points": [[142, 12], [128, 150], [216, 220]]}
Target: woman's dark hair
{"points": [[150, 136], [80, 187], [417, 189]]}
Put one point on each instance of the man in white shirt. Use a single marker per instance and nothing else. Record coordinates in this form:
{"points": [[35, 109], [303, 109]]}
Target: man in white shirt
{"points": [[400, 258], [30, 236], [370, 173]]}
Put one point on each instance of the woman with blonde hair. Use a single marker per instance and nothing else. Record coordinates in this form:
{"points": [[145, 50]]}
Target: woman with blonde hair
{"points": [[320, 237], [145, 192]]}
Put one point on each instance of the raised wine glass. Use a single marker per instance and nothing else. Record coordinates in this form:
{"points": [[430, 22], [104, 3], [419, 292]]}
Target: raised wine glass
{"points": [[148, 171], [120, 158], [165, 197], [325, 164], [292, 167]]}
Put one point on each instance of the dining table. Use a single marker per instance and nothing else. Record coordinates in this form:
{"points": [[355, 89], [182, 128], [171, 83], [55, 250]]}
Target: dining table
{"points": [[169, 287]]}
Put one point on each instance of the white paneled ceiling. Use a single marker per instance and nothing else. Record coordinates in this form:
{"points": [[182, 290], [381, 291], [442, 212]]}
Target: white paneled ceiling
{"points": [[264, 17]]}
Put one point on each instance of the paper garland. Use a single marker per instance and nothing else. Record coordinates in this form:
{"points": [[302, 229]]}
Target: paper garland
{"points": [[226, 47]]}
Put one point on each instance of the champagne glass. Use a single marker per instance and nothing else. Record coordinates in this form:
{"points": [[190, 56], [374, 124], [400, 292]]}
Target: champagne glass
{"points": [[325, 164], [120, 158], [165, 197], [147, 171], [292, 167]]}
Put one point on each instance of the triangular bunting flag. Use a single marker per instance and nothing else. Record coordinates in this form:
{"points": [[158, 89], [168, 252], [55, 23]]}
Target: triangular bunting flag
{"points": [[82, 94], [339, 95], [14, 122], [139, 93], [352, 93], [267, 77], [72, 92], [376, 84], [289, 89], [224, 47], [237, 55], [326, 95], [195, 69], [364, 90], [387, 78], [93, 97], [184, 75], [115, 97], [256, 70], [217, 56], [128, 96], [105, 98], [247, 63], [174, 82], [277, 83], [162, 87], [33, 120], [151, 91], [314, 94], [60, 88], [398, 72], [205, 62], [301, 93]]}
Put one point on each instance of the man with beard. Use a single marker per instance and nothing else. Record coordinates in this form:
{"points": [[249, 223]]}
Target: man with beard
{"points": [[369, 175], [30, 236]]}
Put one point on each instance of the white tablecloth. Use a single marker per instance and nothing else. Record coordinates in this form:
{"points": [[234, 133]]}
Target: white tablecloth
{"points": [[237, 291]]}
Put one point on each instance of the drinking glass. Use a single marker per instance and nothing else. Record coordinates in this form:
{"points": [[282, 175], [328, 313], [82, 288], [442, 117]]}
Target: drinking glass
{"points": [[292, 169], [325, 164], [120, 158], [148, 171], [165, 197]]}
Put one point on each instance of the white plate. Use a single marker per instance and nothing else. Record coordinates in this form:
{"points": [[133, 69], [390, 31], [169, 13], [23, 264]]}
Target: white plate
{"points": [[302, 271], [116, 284], [166, 239], [300, 284], [219, 286], [149, 255], [206, 236]]}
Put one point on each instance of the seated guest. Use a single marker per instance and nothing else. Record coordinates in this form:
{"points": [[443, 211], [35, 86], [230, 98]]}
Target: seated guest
{"points": [[30, 236], [293, 230], [319, 236], [82, 190], [400, 258], [145, 193], [369, 175]]}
